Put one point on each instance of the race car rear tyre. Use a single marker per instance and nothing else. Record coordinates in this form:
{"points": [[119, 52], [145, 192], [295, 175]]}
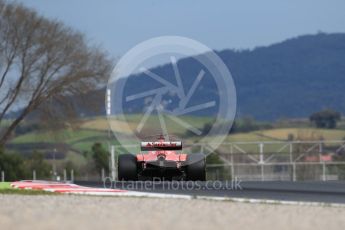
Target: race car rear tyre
{"points": [[127, 167], [196, 168]]}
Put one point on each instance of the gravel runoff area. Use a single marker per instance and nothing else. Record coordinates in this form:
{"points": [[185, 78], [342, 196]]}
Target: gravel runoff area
{"points": [[88, 212]]}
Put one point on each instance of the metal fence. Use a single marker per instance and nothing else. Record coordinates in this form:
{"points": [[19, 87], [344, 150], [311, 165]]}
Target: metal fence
{"points": [[285, 161], [312, 171]]}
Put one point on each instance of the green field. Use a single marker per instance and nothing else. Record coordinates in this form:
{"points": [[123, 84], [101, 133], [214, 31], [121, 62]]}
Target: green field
{"points": [[303, 134], [152, 124], [281, 135], [5, 185], [71, 136]]}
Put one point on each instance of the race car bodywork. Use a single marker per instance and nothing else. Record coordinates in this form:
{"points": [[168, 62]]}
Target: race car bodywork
{"points": [[161, 159]]}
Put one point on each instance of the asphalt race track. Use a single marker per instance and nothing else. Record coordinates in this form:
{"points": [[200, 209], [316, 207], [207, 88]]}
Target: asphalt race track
{"points": [[326, 192]]}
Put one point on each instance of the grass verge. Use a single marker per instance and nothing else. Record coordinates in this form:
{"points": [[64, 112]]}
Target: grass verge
{"points": [[5, 188]]}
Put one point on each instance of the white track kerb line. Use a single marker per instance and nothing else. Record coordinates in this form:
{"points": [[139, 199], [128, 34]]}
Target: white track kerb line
{"points": [[74, 189]]}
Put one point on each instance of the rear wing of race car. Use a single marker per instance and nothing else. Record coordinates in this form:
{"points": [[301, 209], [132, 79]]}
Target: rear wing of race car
{"points": [[165, 145]]}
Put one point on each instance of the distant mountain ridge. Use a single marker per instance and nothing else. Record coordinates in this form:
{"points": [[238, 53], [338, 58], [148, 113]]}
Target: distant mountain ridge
{"points": [[290, 79]]}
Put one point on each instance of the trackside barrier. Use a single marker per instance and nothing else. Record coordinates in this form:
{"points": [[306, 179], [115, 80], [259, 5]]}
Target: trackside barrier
{"points": [[72, 175], [302, 171], [103, 174], [35, 177]]}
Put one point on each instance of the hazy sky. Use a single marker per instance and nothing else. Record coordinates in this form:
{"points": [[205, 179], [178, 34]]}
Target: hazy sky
{"points": [[120, 24]]}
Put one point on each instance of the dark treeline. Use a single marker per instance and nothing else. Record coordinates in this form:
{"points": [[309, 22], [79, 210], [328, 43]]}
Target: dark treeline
{"points": [[17, 167]]}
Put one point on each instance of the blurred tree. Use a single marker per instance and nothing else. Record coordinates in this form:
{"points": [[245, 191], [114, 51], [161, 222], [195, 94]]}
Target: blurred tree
{"points": [[69, 165], [12, 165], [42, 60], [37, 163], [100, 157], [213, 159], [325, 119], [290, 137]]}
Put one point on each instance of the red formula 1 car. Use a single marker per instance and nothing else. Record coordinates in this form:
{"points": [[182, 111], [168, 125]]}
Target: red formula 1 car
{"points": [[161, 159]]}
